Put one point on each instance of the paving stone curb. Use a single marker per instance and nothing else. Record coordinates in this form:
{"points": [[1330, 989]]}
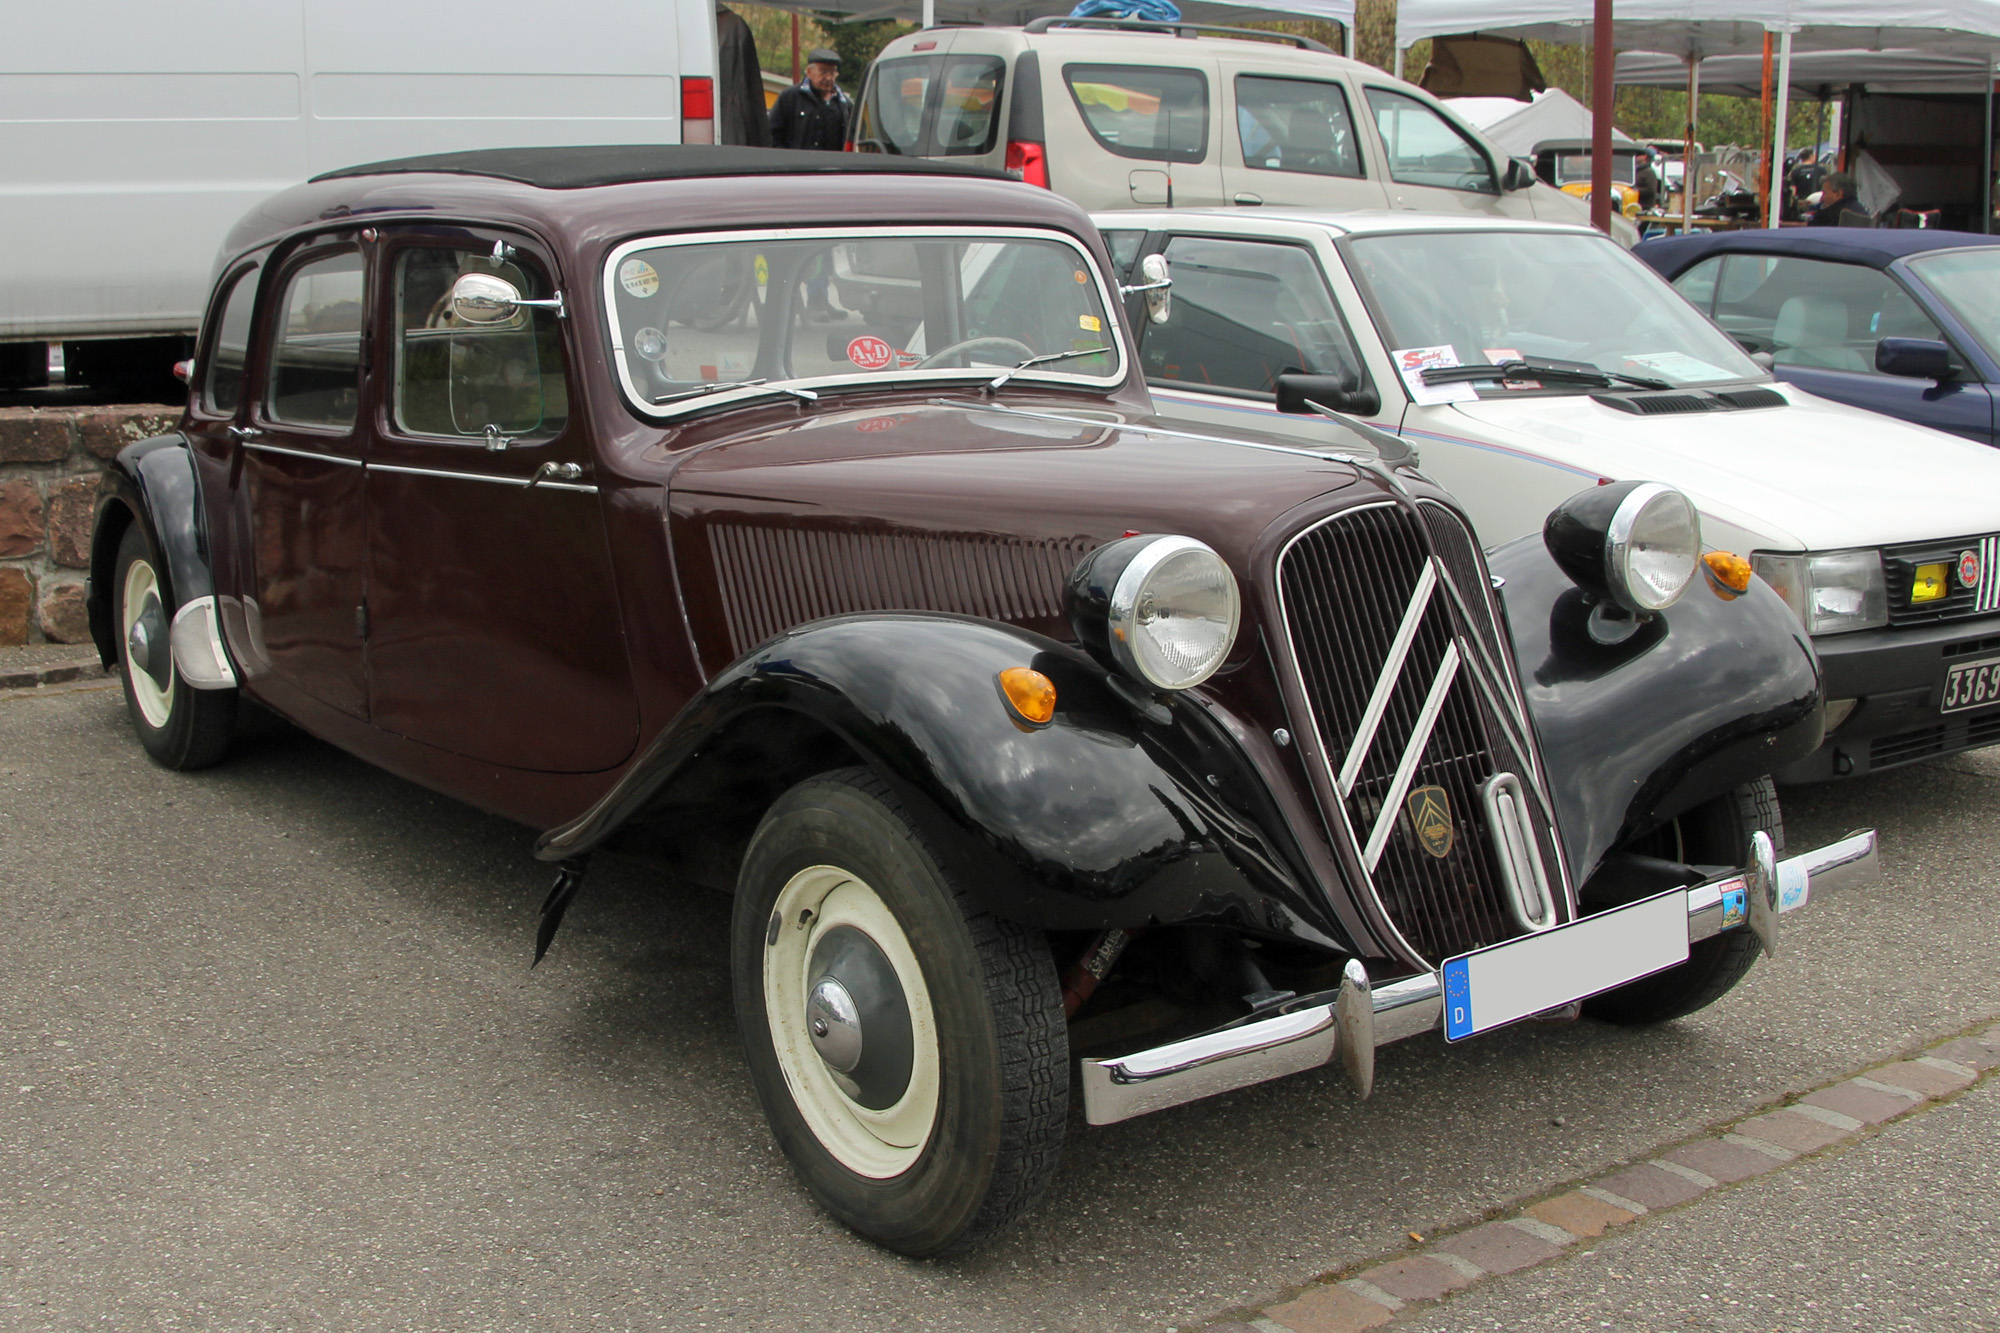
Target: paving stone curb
{"points": [[1378, 1291], [36, 675]]}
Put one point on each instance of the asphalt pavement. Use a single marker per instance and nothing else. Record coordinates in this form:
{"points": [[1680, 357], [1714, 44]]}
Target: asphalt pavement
{"points": [[271, 1056]]}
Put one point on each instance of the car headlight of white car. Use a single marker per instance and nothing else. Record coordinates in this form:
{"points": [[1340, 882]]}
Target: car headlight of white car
{"points": [[1831, 592]]}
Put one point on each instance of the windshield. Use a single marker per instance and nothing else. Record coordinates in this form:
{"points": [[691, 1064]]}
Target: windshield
{"points": [[1968, 282], [1581, 166], [1480, 297], [690, 319]]}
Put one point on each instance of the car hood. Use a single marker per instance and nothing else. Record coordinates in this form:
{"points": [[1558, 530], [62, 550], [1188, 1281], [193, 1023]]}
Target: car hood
{"points": [[1813, 475]]}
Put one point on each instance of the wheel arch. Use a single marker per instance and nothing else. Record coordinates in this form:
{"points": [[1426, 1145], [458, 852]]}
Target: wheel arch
{"points": [[153, 483]]}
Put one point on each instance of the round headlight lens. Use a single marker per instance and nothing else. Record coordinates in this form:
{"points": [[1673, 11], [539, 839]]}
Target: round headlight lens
{"points": [[1173, 613], [1652, 547]]}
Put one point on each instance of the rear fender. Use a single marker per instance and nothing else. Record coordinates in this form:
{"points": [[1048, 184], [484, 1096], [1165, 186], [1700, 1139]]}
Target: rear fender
{"points": [[151, 482]]}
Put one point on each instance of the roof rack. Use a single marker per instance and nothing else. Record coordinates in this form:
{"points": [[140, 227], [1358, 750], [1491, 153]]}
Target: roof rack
{"points": [[1049, 21]]}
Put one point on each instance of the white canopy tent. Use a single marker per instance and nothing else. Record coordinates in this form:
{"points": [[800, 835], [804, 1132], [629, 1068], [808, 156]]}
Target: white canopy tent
{"points": [[1812, 71], [929, 13], [1516, 127]]}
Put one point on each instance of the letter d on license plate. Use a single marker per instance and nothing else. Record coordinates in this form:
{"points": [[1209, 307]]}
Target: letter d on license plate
{"points": [[1505, 983]]}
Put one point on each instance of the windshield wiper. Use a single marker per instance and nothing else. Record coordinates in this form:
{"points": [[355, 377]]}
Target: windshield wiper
{"points": [[806, 394], [1041, 360], [1518, 371]]}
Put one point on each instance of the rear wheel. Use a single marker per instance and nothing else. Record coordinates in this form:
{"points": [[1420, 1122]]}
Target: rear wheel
{"points": [[1717, 833], [180, 727], [909, 1049]]}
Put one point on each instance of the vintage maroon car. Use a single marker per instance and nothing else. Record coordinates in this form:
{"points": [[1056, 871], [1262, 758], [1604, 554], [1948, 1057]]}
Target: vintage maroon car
{"points": [[841, 565]]}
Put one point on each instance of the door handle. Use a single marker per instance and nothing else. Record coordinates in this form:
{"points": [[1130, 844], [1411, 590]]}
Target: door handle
{"points": [[1247, 198], [553, 472], [243, 433]]}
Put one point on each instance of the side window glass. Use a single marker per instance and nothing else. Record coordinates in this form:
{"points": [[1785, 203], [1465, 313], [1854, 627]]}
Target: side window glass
{"points": [[1698, 284], [1815, 314], [965, 121], [1426, 149], [1296, 125], [1124, 248], [1245, 312], [891, 116], [1143, 111], [222, 387], [316, 357], [457, 380]]}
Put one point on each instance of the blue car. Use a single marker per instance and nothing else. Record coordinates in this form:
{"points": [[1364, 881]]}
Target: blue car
{"points": [[1901, 322]]}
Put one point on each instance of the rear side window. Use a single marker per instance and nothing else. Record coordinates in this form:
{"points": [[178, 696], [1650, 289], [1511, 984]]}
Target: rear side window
{"points": [[931, 106], [222, 388], [316, 362], [1426, 149], [1296, 125], [1143, 111]]}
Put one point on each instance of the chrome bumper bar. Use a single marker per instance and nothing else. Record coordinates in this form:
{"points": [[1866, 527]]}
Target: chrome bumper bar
{"points": [[1356, 1019]]}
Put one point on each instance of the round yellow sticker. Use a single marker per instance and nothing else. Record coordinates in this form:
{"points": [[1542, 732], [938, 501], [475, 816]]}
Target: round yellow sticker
{"points": [[637, 277], [1081, 276]]}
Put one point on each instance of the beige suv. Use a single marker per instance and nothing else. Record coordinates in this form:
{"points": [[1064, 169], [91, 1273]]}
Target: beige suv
{"points": [[1122, 114]]}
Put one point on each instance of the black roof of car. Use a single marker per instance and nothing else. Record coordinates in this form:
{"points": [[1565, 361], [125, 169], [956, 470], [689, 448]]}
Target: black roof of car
{"points": [[1875, 247], [579, 168]]}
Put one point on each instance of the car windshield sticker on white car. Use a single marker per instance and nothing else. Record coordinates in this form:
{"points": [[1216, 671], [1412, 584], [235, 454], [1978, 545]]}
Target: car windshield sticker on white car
{"points": [[1412, 362], [1680, 366]]}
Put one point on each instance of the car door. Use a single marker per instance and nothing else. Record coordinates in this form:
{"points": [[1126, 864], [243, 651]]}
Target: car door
{"points": [[300, 480], [1433, 165], [1819, 321], [493, 619], [1136, 136], [1293, 141]]}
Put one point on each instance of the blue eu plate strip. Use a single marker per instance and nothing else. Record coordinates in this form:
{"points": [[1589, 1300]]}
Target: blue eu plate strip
{"points": [[1457, 1000]]}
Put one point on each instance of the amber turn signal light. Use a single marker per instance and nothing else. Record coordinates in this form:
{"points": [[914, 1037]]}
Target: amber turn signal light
{"points": [[1929, 584], [1728, 573], [1029, 693]]}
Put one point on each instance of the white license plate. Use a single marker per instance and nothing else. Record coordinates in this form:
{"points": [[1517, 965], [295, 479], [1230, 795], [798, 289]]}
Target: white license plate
{"points": [[1505, 983], [1971, 685]]}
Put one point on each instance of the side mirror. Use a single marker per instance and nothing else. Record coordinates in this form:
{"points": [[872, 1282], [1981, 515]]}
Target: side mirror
{"points": [[483, 299], [1296, 393], [1519, 175], [1157, 286], [1917, 358]]}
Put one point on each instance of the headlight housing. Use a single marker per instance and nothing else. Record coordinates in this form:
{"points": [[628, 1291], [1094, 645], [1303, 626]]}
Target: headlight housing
{"points": [[1831, 592], [1637, 543], [1163, 610]]}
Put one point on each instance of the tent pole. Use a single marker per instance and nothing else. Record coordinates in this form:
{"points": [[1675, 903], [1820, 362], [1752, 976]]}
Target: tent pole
{"points": [[1775, 212], [1399, 62], [1687, 145], [1986, 156], [1602, 112], [1764, 138], [1346, 37], [930, 13]]}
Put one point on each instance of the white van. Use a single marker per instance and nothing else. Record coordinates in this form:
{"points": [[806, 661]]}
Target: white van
{"points": [[1123, 114], [133, 134]]}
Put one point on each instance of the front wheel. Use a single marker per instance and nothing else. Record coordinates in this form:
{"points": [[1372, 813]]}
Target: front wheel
{"points": [[909, 1049], [181, 727], [1717, 833]]}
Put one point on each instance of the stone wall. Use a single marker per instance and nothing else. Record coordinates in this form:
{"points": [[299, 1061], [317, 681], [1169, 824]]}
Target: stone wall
{"points": [[51, 460]]}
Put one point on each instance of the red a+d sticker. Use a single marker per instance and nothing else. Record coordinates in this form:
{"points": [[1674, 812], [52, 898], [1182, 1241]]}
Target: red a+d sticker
{"points": [[869, 352]]}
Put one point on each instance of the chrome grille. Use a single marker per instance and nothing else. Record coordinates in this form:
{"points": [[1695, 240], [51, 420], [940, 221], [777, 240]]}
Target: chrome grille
{"points": [[1399, 656]]}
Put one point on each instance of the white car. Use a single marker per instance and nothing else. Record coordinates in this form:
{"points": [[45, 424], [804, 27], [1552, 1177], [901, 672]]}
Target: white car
{"points": [[1884, 537]]}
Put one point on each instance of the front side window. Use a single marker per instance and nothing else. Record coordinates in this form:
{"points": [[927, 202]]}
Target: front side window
{"points": [[1426, 149], [456, 380], [1149, 112], [929, 106], [1296, 125], [316, 355], [1810, 312], [222, 387], [1968, 282], [695, 322], [1244, 313]]}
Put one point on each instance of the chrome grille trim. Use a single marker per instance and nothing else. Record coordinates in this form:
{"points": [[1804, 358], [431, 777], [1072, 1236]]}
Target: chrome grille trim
{"points": [[1406, 767], [1385, 684], [1989, 574]]}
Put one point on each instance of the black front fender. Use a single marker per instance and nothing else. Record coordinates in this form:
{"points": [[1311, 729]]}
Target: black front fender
{"points": [[151, 482], [1102, 818], [1713, 692]]}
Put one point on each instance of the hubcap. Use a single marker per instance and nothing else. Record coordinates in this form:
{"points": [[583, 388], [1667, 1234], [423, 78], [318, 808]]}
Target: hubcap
{"points": [[858, 999], [836, 1025], [149, 665], [148, 641]]}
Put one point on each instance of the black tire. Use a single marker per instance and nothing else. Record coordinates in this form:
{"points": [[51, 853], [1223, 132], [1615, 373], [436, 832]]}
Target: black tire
{"points": [[1001, 1048], [1713, 834], [181, 727]]}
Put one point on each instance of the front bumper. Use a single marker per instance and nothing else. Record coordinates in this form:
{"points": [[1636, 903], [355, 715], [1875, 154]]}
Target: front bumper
{"points": [[1896, 676], [1353, 1021]]}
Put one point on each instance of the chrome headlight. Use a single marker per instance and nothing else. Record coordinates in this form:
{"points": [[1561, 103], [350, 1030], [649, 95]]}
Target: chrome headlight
{"points": [[1163, 610], [1635, 542], [1830, 593]]}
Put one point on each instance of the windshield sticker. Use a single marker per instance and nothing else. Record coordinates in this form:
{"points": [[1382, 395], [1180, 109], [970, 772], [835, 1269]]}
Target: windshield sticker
{"points": [[637, 277], [1412, 362], [1500, 356], [1679, 366], [1090, 323], [869, 352]]}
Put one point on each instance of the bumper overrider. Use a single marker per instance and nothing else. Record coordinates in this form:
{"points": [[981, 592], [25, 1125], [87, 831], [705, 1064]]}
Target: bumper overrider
{"points": [[1478, 991]]}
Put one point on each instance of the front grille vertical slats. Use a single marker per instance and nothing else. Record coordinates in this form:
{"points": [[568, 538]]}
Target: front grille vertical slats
{"points": [[1347, 585]]}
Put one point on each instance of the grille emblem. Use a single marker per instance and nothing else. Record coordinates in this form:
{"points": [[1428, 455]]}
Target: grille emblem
{"points": [[1968, 568], [1430, 816]]}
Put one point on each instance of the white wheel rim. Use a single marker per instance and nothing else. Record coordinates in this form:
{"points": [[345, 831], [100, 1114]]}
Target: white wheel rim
{"points": [[876, 1144], [155, 703]]}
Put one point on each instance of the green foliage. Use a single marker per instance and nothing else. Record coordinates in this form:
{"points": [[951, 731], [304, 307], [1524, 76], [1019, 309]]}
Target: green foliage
{"points": [[857, 43]]}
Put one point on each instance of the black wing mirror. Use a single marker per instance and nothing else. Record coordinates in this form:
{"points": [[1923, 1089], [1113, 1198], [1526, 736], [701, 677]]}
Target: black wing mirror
{"points": [[1519, 175], [1297, 393], [1916, 358]]}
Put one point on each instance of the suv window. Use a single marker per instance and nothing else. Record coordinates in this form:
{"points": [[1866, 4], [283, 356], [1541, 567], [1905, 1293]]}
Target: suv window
{"points": [[926, 106], [316, 362], [222, 388], [1143, 111], [1806, 312], [455, 380], [1296, 125], [1245, 312], [1426, 149]]}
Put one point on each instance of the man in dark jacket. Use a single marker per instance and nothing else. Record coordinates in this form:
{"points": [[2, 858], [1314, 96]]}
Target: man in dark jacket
{"points": [[1836, 200], [813, 113]]}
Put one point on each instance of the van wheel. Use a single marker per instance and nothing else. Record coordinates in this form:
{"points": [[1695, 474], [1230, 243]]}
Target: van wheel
{"points": [[1713, 834], [181, 727], [909, 1049]]}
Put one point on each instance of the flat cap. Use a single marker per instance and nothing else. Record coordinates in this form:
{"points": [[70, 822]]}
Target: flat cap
{"points": [[819, 55]]}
